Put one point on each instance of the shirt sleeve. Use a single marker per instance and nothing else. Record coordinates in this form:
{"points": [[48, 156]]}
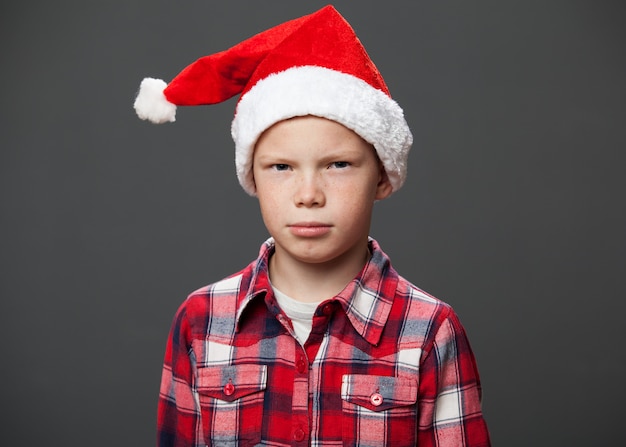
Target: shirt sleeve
{"points": [[450, 413], [178, 414]]}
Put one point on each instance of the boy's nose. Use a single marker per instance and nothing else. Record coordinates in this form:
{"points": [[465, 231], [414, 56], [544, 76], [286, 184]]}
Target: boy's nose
{"points": [[309, 191]]}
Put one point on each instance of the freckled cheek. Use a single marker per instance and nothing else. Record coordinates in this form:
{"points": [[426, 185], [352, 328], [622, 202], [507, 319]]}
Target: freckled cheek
{"points": [[271, 200], [271, 216], [267, 186], [354, 192], [268, 201]]}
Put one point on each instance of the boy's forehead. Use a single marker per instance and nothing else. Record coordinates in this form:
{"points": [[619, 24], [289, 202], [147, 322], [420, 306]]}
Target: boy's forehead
{"points": [[297, 126]]}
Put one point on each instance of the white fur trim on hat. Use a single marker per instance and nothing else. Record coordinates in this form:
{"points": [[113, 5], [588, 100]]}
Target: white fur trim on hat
{"points": [[313, 90], [152, 105]]}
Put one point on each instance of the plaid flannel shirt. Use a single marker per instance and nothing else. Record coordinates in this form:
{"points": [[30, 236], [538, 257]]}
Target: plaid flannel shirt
{"points": [[385, 365]]}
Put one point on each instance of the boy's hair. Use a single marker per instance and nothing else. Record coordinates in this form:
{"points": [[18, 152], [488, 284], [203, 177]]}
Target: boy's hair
{"points": [[313, 65]]}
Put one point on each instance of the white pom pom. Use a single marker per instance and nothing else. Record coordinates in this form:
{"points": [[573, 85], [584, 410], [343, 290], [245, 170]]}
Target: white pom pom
{"points": [[151, 104]]}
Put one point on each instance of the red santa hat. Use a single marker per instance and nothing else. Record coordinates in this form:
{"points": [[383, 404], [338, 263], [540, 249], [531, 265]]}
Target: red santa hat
{"points": [[313, 65]]}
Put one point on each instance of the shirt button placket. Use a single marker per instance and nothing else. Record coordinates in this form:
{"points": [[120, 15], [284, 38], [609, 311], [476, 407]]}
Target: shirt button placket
{"points": [[300, 399]]}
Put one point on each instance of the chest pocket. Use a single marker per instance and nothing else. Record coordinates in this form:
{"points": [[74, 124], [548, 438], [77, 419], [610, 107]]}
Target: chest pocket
{"points": [[379, 410], [231, 403]]}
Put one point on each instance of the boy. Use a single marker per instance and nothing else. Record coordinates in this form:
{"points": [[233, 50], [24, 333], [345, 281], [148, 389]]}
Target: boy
{"points": [[318, 341]]}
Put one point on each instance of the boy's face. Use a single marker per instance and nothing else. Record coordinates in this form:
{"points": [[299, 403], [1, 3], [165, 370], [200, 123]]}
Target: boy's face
{"points": [[316, 182]]}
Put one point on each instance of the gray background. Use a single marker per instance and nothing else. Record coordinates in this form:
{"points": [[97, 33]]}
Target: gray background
{"points": [[513, 211]]}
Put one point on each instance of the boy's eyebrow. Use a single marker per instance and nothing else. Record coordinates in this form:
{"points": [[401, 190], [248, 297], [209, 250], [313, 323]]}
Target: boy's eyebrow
{"points": [[272, 156], [342, 153]]}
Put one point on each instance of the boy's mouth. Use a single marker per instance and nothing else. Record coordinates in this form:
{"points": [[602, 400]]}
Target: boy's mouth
{"points": [[309, 229]]}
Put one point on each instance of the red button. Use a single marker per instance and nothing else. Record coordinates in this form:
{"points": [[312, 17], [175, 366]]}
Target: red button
{"points": [[298, 435], [327, 309], [376, 399], [229, 388], [301, 365]]}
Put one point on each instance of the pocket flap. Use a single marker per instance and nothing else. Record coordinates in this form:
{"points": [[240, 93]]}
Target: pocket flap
{"points": [[378, 393], [229, 383]]}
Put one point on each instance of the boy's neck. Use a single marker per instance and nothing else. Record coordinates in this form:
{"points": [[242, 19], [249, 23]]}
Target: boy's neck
{"points": [[315, 282]]}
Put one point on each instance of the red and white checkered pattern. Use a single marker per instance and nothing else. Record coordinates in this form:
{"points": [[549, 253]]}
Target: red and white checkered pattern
{"points": [[385, 365]]}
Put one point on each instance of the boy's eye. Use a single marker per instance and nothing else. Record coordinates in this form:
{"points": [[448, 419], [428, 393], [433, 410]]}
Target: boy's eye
{"points": [[281, 166], [340, 164]]}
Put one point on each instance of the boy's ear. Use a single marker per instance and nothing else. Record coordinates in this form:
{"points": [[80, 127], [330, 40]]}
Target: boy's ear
{"points": [[383, 188]]}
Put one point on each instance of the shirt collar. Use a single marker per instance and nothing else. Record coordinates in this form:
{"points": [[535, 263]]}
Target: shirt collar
{"points": [[366, 300]]}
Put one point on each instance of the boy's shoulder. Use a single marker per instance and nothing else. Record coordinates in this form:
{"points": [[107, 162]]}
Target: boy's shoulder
{"points": [[213, 308], [423, 314], [228, 286]]}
